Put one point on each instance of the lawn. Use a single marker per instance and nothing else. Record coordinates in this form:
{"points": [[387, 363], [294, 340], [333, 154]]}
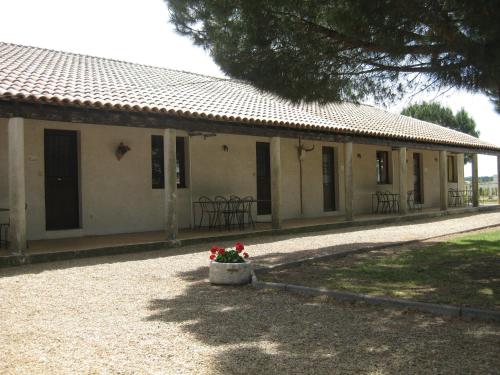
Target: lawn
{"points": [[460, 271]]}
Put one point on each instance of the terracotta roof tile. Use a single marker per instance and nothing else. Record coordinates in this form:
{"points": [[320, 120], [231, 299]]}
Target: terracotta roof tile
{"points": [[36, 74]]}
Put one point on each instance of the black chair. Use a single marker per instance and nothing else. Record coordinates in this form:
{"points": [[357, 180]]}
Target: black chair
{"points": [[207, 209], [236, 211], [412, 204], [247, 209], [220, 205]]}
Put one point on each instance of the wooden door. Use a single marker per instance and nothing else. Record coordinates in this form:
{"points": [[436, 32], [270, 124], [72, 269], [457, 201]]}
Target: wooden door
{"points": [[61, 180], [328, 179], [417, 178], [263, 178]]}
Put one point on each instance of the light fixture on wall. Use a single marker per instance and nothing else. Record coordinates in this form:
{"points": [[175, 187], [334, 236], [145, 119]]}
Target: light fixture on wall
{"points": [[225, 148], [359, 156], [121, 150]]}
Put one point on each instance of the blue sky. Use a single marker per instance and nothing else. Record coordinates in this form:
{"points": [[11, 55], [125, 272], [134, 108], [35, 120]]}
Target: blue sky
{"points": [[139, 31]]}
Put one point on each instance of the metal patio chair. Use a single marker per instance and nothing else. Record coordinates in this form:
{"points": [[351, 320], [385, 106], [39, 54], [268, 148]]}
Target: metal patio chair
{"points": [[207, 209]]}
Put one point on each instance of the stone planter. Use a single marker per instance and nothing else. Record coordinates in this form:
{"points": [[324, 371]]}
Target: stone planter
{"points": [[230, 273]]}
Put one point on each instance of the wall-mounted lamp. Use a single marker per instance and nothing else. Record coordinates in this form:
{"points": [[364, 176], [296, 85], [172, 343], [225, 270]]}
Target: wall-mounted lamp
{"points": [[121, 150], [225, 148], [358, 156]]}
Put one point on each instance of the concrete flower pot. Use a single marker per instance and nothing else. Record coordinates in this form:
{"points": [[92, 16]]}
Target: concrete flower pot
{"points": [[230, 273]]}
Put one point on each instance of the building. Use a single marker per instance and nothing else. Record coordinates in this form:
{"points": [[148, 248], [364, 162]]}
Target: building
{"points": [[93, 146]]}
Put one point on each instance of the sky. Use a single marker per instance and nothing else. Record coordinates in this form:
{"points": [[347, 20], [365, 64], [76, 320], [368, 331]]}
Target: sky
{"points": [[139, 31]]}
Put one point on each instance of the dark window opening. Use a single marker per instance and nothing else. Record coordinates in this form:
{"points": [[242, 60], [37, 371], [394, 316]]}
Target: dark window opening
{"points": [[382, 167], [157, 162], [452, 169], [328, 179]]}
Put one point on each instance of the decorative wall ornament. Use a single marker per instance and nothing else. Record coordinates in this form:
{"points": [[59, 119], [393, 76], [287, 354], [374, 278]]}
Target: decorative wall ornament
{"points": [[302, 149], [121, 150]]}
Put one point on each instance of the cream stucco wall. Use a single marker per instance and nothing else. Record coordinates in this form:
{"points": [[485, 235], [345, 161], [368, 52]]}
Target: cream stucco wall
{"points": [[117, 197]]}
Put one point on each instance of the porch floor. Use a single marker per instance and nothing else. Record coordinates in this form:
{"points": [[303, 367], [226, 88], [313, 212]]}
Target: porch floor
{"points": [[116, 241]]}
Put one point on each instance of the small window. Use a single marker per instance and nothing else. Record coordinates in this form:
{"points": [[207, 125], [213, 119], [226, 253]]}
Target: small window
{"points": [[382, 167], [157, 162], [452, 168]]}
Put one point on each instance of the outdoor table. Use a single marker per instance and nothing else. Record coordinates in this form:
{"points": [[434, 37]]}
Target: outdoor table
{"points": [[393, 202], [228, 213]]}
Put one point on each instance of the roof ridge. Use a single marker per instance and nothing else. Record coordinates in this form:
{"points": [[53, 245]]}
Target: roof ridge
{"points": [[119, 61]]}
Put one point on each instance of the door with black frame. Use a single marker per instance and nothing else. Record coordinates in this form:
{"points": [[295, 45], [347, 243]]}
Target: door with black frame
{"points": [[62, 205], [328, 179], [417, 178], [263, 178]]}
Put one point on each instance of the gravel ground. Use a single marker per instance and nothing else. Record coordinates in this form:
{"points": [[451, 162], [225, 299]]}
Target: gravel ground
{"points": [[155, 313]]}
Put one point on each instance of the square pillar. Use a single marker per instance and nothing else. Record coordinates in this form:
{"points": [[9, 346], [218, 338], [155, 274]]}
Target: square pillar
{"points": [[17, 186], [443, 180], [275, 151], [348, 181], [498, 178], [403, 182], [170, 173], [475, 182]]}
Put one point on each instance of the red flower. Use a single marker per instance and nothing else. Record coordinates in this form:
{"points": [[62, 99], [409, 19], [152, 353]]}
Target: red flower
{"points": [[239, 247], [221, 251], [212, 257], [214, 249], [245, 255]]}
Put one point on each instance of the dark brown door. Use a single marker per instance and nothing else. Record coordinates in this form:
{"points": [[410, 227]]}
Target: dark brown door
{"points": [[417, 178], [328, 179], [61, 180], [263, 179]]}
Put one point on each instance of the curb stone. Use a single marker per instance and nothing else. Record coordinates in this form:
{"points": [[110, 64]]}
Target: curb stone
{"points": [[432, 308], [296, 263]]}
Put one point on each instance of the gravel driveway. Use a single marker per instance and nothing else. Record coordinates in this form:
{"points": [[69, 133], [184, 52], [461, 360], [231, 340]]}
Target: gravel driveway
{"points": [[155, 313]]}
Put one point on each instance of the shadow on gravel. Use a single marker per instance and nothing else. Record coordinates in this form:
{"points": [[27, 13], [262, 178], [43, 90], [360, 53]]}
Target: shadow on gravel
{"points": [[273, 332], [191, 249]]}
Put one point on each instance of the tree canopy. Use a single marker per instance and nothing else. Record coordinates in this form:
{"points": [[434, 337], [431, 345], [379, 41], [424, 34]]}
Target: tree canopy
{"points": [[324, 50], [438, 114]]}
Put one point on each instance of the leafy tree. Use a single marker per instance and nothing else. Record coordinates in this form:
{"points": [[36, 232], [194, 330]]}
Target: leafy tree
{"points": [[436, 113], [332, 50]]}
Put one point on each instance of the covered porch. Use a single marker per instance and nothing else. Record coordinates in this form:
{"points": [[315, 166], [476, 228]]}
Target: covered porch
{"points": [[77, 247], [148, 195]]}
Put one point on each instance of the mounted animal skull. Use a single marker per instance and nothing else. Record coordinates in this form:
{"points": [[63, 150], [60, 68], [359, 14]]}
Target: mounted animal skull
{"points": [[302, 149]]}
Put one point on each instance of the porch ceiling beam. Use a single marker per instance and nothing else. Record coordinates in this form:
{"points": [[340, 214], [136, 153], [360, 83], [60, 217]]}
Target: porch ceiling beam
{"points": [[103, 116]]}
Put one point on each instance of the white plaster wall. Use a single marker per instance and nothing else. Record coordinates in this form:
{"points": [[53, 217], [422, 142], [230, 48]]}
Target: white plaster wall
{"points": [[117, 197], [4, 175]]}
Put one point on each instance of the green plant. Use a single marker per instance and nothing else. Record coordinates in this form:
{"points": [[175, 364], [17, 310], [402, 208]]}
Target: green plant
{"points": [[231, 255]]}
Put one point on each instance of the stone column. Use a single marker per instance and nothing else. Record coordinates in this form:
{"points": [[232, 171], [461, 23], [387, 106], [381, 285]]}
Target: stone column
{"points": [[17, 186], [443, 180], [348, 181], [403, 182], [498, 178], [276, 182], [170, 172], [475, 182]]}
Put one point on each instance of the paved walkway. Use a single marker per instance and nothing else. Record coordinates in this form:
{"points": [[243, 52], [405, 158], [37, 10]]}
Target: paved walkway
{"points": [[155, 313]]}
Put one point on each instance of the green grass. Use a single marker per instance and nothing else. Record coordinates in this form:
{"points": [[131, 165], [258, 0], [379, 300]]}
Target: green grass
{"points": [[463, 271]]}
